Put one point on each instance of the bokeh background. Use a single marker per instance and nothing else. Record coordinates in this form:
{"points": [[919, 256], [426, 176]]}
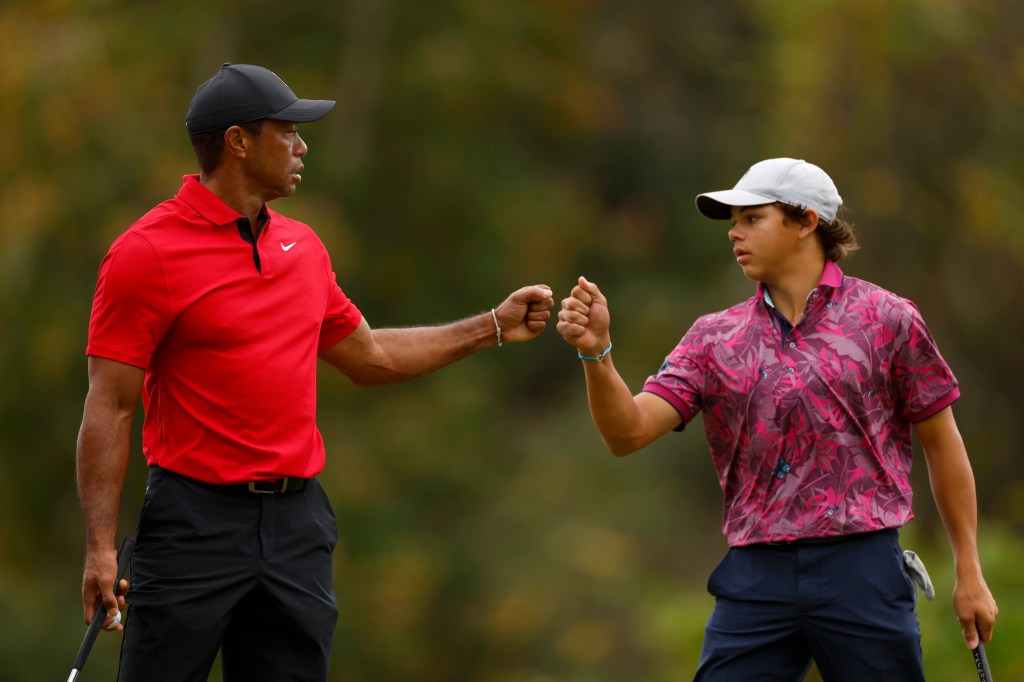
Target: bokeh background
{"points": [[477, 146]]}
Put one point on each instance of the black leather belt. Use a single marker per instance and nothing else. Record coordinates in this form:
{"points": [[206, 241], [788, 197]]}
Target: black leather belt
{"points": [[289, 484], [281, 485]]}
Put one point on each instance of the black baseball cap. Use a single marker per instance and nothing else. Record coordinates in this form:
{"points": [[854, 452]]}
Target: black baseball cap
{"points": [[240, 93]]}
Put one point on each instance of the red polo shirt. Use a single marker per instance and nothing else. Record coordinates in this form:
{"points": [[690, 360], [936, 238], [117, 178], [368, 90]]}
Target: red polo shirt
{"points": [[228, 331]]}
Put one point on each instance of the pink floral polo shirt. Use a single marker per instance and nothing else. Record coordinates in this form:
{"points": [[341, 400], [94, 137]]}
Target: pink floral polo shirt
{"points": [[810, 431]]}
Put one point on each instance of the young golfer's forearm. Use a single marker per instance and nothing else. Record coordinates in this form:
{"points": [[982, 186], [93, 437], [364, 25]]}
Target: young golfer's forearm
{"points": [[616, 414], [953, 488]]}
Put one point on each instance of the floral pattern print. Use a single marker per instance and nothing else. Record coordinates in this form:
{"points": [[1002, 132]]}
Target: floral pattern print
{"points": [[811, 436]]}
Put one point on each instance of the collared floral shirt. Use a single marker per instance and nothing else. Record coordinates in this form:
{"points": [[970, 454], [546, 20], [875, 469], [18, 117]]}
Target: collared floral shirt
{"points": [[810, 431]]}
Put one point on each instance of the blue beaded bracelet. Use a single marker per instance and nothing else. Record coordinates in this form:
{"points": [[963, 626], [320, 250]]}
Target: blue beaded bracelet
{"points": [[599, 358]]}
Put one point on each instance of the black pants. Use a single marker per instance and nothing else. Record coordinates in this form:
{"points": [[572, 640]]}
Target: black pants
{"points": [[224, 569], [848, 605]]}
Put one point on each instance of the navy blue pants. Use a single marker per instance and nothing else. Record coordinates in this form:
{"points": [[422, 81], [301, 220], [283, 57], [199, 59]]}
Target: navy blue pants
{"points": [[224, 569], [848, 605]]}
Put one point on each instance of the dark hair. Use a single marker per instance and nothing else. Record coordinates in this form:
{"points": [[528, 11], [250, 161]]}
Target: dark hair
{"points": [[210, 144], [836, 237]]}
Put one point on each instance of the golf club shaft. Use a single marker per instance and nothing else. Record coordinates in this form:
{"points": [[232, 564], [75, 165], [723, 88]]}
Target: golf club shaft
{"points": [[981, 663], [124, 555]]}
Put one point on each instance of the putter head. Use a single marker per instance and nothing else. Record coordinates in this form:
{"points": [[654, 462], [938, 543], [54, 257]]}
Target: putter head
{"points": [[918, 573]]}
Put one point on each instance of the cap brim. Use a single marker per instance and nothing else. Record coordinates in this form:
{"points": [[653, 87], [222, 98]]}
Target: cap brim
{"points": [[718, 205], [304, 111]]}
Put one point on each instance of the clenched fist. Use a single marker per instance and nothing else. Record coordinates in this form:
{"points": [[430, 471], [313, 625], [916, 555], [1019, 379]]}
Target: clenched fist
{"points": [[584, 319]]}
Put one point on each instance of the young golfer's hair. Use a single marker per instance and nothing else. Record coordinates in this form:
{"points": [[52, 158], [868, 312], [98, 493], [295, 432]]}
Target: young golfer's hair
{"points": [[836, 237]]}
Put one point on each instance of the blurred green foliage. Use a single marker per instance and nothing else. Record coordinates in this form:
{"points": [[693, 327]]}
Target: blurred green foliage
{"points": [[476, 147]]}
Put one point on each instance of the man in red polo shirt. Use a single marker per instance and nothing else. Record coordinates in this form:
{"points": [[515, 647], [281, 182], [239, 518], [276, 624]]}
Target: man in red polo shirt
{"points": [[214, 309]]}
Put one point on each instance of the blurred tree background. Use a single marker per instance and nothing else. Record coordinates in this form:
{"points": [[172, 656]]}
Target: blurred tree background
{"points": [[478, 146]]}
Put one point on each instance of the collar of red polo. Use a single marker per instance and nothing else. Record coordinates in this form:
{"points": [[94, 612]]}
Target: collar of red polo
{"points": [[205, 202]]}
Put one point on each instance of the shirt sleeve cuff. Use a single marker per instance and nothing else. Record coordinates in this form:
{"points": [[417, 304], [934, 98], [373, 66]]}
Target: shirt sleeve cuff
{"points": [[936, 407], [328, 339], [673, 400], [94, 350]]}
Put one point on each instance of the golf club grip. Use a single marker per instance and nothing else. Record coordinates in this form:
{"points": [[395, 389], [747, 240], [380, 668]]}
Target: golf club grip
{"points": [[981, 663], [124, 555]]}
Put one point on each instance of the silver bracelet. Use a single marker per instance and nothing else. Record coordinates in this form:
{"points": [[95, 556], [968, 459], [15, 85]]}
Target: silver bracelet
{"points": [[497, 327]]}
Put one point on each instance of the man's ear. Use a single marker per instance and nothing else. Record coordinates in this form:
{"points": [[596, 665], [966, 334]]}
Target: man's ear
{"points": [[809, 222], [236, 141]]}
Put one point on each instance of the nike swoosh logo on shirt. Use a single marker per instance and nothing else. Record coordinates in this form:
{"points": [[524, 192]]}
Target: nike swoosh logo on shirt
{"points": [[285, 248]]}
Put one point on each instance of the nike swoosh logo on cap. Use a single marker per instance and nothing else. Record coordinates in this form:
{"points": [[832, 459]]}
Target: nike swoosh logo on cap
{"points": [[285, 248]]}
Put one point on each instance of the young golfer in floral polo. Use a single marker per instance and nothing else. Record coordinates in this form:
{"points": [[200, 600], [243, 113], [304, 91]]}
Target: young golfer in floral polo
{"points": [[810, 392]]}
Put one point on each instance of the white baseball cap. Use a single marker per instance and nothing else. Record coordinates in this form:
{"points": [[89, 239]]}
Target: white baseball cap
{"points": [[789, 181]]}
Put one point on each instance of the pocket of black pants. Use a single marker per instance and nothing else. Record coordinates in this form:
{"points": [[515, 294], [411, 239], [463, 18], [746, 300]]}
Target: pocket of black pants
{"points": [[909, 587], [719, 576], [320, 510], [154, 483]]}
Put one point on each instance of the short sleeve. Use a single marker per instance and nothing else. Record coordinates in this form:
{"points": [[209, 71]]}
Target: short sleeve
{"points": [[680, 377], [923, 382], [341, 318], [131, 308]]}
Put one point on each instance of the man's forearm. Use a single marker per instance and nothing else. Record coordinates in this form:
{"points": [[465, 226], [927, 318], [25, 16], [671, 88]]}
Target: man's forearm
{"points": [[407, 353], [102, 462]]}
